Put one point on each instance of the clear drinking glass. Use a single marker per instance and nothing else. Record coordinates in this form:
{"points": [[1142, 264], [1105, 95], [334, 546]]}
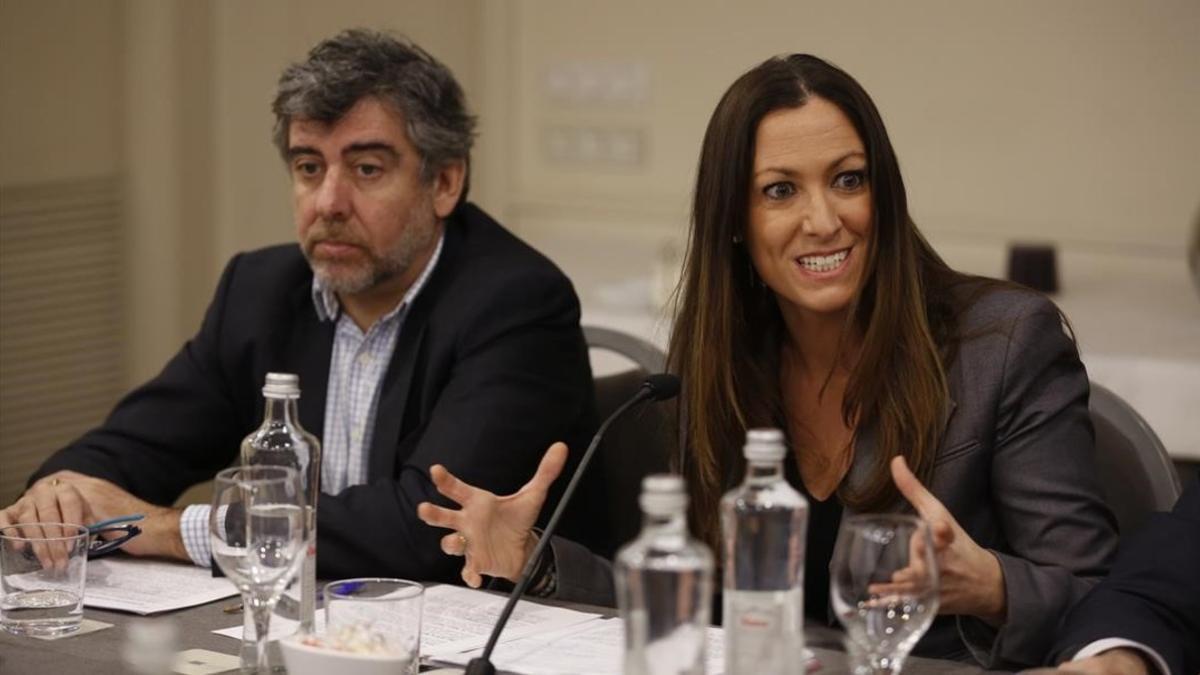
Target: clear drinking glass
{"points": [[377, 616], [42, 572], [884, 588], [259, 535]]}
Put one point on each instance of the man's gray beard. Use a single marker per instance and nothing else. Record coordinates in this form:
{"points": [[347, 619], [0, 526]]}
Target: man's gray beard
{"points": [[357, 280], [418, 237]]}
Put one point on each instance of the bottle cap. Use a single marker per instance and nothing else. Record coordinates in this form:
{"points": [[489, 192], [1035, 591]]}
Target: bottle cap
{"points": [[282, 385], [663, 495], [765, 445]]}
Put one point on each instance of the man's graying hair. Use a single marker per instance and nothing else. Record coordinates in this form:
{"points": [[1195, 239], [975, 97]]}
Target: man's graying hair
{"points": [[357, 63]]}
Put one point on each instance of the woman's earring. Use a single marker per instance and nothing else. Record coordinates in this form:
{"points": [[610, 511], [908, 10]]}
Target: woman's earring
{"points": [[737, 238]]}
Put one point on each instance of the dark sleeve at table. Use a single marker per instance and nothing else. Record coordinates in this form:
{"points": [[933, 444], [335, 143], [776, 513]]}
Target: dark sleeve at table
{"points": [[582, 576], [1152, 595]]}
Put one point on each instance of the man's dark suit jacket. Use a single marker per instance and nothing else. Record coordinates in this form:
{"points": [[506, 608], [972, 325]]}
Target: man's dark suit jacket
{"points": [[1152, 595], [489, 368]]}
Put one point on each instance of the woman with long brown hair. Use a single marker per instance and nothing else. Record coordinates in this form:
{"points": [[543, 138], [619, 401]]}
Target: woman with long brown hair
{"points": [[811, 302]]}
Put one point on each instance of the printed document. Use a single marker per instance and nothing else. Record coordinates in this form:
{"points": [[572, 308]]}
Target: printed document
{"points": [[595, 648], [456, 619], [146, 586]]}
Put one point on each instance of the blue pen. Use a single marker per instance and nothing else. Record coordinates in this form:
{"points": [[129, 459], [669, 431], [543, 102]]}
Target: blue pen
{"points": [[115, 521], [345, 588]]}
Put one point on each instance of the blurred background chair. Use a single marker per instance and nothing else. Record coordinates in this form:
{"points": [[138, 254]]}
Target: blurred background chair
{"points": [[1136, 473], [605, 514], [648, 357]]}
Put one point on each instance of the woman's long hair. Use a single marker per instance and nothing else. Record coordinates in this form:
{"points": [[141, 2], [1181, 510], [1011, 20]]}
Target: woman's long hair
{"points": [[728, 329]]}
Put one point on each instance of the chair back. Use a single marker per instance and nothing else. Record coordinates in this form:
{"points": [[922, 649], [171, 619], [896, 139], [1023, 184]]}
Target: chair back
{"points": [[1136, 473], [605, 512]]}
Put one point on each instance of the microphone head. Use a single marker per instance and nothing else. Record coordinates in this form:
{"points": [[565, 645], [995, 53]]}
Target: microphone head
{"points": [[662, 386]]}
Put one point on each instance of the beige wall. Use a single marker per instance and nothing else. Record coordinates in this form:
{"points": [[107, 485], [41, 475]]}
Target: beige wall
{"points": [[1071, 120], [61, 284], [60, 90]]}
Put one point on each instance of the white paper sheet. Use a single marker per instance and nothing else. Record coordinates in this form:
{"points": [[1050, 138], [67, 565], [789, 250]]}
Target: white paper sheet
{"points": [[279, 628], [592, 648], [150, 586], [455, 619]]}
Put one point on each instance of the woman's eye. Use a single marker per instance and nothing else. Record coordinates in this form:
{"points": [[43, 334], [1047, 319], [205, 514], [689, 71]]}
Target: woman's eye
{"points": [[779, 191], [850, 180]]}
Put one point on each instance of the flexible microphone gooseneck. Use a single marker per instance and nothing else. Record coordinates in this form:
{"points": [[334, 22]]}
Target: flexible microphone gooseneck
{"points": [[660, 387]]}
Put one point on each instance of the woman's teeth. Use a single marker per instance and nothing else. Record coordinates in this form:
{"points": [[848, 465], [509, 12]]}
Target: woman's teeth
{"points": [[824, 263]]}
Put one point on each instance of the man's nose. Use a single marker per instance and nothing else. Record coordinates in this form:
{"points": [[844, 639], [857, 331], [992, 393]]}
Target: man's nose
{"points": [[333, 196]]}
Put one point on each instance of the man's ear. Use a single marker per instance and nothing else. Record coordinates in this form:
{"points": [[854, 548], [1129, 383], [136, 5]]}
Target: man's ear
{"points": [[448, 186]]}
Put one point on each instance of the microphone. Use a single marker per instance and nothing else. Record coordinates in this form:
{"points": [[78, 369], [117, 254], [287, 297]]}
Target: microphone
{"points": [[660, 387]]}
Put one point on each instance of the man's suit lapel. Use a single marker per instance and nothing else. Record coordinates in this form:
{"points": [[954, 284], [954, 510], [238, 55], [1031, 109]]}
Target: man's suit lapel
{"points": [[307, 352], [410, 358], [393, 398]]}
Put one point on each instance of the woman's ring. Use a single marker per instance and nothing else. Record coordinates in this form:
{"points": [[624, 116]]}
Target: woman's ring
{"points": [[463, 538]]}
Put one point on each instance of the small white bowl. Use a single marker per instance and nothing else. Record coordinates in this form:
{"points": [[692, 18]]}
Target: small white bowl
{"points": [[302, 659]]}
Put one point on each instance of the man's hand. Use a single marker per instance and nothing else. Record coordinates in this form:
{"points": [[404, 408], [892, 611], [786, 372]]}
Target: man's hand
{"points": [[1119, 661], [70, 497], [971, 578], [494, 534]]}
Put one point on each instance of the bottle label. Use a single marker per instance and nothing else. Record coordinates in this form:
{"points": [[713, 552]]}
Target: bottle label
{"points": [[763, 631]]}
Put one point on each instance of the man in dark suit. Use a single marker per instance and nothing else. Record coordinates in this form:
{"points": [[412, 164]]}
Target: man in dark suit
{"points": [[422, 331], [1145, 617]]}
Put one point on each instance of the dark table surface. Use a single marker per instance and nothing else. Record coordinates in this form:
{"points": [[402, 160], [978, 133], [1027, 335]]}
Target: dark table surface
{"points": [[99, 652]]}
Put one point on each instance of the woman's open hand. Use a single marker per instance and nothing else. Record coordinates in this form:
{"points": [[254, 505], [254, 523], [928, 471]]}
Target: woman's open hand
{"points": [[971, 579], [494, 534]]}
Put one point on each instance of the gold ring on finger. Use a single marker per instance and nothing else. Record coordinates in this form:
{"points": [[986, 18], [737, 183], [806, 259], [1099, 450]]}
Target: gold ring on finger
{"points": [[463, 538]]}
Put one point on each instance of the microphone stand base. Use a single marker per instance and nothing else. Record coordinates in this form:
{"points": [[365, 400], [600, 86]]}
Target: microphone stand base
{"points": [[480, 666]]}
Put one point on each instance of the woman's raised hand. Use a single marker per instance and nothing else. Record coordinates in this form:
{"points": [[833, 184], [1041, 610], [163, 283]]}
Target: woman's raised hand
{"points": [[494, 534], [971, 578]]}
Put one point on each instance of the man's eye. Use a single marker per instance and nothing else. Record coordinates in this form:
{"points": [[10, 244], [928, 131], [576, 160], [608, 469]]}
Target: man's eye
{"points": [[779, 190], [307, 168], [369, 170], [850, 180]]}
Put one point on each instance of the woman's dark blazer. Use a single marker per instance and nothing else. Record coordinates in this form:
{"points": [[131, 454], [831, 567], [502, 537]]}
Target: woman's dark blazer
{"points": [[1015, 466]]}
